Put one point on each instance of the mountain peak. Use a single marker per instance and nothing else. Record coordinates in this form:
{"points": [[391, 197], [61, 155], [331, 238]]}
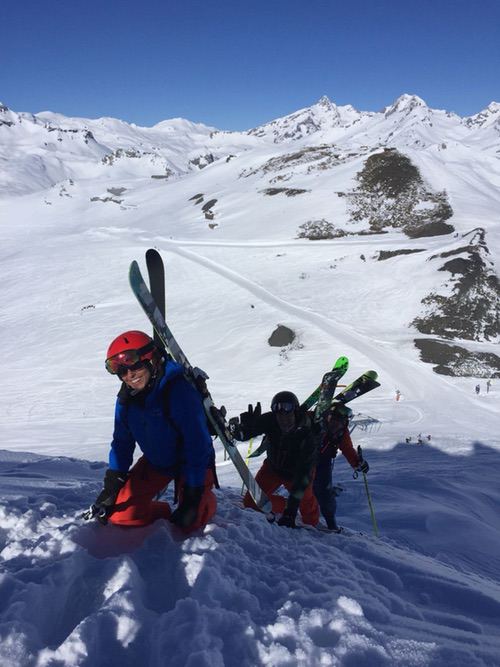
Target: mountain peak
{"points": [[405, 104], [493, 107], [489, 116], [325, 102]]}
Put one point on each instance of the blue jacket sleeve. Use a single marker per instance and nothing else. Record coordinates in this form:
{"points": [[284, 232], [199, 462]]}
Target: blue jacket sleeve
{"points": [[123, 443], [188, 415]]}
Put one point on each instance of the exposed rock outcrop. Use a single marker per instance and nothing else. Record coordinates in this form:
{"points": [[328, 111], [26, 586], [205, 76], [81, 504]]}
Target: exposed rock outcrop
{"points": [[318, 230], [388, 254], [471, 311], [456, 361], [392, 193], [281, 336], [289, 192]]}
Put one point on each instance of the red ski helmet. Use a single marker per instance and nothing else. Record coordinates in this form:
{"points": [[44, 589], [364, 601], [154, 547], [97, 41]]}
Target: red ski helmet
{"points": [[129, 348]]}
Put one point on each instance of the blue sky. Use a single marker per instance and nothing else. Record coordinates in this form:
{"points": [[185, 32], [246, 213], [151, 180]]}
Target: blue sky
{"points": [[235, 64]]}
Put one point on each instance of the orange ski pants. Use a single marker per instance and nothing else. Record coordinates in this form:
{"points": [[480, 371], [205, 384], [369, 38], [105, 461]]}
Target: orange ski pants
{"points": [[269, 481], [134, 505]]}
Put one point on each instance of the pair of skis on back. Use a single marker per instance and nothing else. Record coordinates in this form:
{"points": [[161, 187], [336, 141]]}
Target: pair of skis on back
{"points": [[153, 303]]}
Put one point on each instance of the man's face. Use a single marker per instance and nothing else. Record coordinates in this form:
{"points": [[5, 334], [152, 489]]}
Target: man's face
{"points": [[286, 421]]}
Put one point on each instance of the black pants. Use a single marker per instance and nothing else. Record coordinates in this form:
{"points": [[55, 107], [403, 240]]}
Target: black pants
{"points": [[324, 490]]}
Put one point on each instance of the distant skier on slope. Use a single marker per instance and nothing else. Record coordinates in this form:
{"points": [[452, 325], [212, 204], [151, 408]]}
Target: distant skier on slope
{"points": [[291, 442], [335, 435], [159, 410]]}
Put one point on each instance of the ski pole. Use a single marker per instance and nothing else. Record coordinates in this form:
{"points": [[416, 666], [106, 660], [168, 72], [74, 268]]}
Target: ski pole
{"points": [[368, 495], [370, 504], [250, 444]]}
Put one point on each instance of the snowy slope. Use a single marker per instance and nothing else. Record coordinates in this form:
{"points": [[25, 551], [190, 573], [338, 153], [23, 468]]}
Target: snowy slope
{"points": [[427, 592], [250, 593]]}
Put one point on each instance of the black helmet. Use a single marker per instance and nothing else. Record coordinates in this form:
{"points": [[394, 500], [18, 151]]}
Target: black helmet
{"points": [[285, 401]]}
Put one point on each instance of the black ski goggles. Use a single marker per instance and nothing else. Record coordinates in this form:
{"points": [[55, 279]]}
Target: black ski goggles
{"points": [[283, 407], [128, 360]]}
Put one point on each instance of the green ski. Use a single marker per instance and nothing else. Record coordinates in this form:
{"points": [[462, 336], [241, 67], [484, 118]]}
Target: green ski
{"points": [[339, 369], [363, 384]]}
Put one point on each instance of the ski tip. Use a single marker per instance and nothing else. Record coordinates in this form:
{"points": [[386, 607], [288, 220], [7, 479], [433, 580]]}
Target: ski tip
{"points": [[342, 362], [373, 375]]}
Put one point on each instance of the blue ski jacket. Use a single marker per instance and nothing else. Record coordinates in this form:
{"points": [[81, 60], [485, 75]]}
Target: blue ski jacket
{"points": [[168, 423]]}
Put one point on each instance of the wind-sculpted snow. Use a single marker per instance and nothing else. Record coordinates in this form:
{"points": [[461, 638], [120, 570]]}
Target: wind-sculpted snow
{"points": [[426, 593]]}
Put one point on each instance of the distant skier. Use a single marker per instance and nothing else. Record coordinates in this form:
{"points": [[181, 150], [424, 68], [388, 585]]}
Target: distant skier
{"points": [[398, 394], [291, 443], [488, 385], [478, 388], [159, 410], [335, 436]]}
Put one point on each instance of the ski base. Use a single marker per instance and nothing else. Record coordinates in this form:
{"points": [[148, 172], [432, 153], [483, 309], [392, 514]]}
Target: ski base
{"points": [[198, 380]]}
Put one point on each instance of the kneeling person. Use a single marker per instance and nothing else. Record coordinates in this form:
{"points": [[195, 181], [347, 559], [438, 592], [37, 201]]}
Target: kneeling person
{"points": [[158, 409]]}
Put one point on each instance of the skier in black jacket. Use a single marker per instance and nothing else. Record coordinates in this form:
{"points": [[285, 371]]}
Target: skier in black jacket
{"points": [[291, 442]]}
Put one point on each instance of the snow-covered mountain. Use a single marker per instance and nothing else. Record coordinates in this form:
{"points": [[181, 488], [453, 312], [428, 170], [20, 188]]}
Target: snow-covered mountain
{"points": [[44, 148], [374, 235], [323, 172]]}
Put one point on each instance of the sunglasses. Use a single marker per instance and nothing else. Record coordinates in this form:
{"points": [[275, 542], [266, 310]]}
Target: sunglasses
{"points": [[128, 360], [283, 407]]}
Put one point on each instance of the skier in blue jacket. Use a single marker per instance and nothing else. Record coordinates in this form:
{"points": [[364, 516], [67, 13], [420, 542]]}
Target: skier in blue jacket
{"points": [[159, 410]]}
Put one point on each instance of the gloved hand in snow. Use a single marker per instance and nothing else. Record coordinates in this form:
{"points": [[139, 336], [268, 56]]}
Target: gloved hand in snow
{"points": [[103, 504], [187, 511]]}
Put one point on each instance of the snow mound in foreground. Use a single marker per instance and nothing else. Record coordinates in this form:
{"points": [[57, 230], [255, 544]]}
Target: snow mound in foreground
{"points": [[245, 592]]}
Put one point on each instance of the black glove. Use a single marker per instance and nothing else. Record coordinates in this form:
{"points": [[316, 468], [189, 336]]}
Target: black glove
{"points": [[287, 519], [249, 417], [363, 466], [242, 426], [113, 482], [187, 511]]}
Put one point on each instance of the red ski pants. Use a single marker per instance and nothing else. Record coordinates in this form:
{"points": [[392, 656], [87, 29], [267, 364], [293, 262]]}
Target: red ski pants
{"points": [[135, 505], [269, 481]]}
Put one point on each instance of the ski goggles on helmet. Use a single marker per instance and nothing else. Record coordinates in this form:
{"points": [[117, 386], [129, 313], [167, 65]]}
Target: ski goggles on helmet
{"points": [[283, 406], [128, 360]]}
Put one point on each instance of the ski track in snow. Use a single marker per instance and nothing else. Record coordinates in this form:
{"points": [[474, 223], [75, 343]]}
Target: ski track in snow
{"points": [[439, 393]]}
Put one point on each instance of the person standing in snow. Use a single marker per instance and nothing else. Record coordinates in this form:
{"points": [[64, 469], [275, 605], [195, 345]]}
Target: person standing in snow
{"points": [[291, 442], [478, 388], [335, 436], [159, 410], [488, 385]]}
